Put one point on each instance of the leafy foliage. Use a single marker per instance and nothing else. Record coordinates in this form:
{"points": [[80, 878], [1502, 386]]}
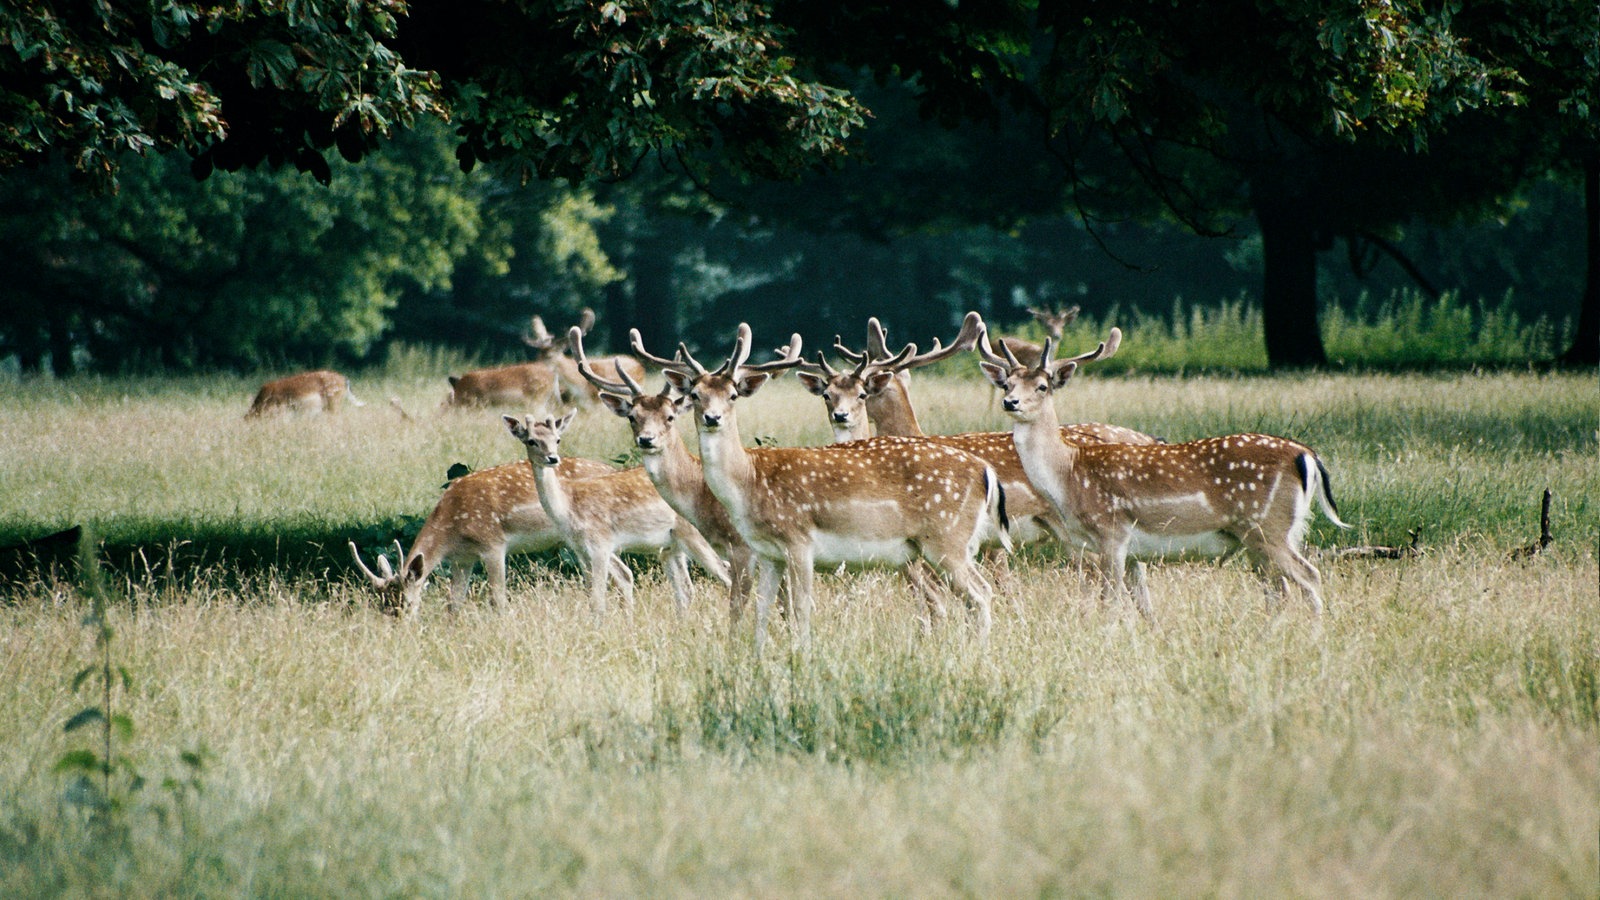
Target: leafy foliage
{"points": [[570, 89]]}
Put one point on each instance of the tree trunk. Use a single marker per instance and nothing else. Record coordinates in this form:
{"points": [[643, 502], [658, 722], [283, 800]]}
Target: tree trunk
{"points": [[1289, 279], [1585, 349], [61, 362]]}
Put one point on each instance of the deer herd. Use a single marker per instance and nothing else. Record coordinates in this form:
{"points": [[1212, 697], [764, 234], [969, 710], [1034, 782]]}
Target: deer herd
{"points": [[884, 494]]}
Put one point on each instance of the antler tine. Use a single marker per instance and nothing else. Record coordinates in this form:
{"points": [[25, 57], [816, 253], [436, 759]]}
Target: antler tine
{"points": [[986, 349], [788, 358], [636, 341], [877, 340], [356, 555], [965, 340], [821, 366], [1106, 350], [854, 356], [586, 320], [399, 557], [575, 340], [741, 350], [1045, 353]]}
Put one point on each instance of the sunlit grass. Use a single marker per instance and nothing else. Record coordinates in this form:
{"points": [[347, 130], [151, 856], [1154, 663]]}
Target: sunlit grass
{"points": [[1435, 733]]}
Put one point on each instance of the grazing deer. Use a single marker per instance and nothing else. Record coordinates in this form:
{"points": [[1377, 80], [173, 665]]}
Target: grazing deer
{"points": [[549, 380], [1209, 496], [480, 518], [602, 516], [318, 391], [674, 471], [520, 384], [884, 500], [574, 388], [1027, 352], [874, 394]]}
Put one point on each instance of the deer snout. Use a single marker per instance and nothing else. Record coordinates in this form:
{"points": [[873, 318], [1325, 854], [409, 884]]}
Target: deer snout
{"points": [[711, 420], [645, 442], [843, 418], [1010, 404]]}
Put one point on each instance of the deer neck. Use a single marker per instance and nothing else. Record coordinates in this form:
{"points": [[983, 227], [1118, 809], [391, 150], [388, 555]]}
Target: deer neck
{"points": [[677, 476], [552, 494], [1046, 458], [729, 471], [892, 413]]}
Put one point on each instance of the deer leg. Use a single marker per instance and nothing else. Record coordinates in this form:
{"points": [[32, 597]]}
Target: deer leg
{"points": [[676, 562], [460, 579], [1141, 591], [769, 573], [694, 544], [966, 577], [802, 587], [922, 583], [494, 569], [741, 572]]}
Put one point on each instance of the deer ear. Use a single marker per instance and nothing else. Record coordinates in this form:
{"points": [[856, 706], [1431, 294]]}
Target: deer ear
{"points": [[414, 569], [680, 381], [618, 404], [878, 381], [561, 424], [519, 429], [813, 382], [751, 382], [995, 373], [1063, 372]]}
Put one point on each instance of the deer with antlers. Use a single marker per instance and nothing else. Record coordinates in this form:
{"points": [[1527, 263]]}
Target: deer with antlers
{"points": [[574, 388], [1054, 322], [1211, 496], [547, 381], [320, 391], [602, 516], [674, 471], [888, 501], [875, 394], [481, 517]]}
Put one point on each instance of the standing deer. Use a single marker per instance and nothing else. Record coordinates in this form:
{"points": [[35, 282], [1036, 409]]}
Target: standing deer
{"points": [[874, 394], [547, 381], [602, 516], [674, 471], [1208, 496], [1053, 322], [573, 387], [888, 500], [306, 392], [480, 518]]}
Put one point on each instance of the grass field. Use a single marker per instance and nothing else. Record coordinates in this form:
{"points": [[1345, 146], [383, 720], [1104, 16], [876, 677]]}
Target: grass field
{"points": [[1437, 733]]}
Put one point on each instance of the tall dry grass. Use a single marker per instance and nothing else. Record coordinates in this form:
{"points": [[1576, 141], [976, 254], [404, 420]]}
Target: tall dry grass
{"points": [[1434, 734]]}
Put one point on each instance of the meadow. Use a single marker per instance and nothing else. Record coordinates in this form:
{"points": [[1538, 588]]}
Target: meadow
{"points": [[1436, 733]]}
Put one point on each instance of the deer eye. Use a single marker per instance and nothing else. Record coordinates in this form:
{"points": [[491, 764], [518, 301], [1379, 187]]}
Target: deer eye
{"points": [[863, 396], [1043, 387]]}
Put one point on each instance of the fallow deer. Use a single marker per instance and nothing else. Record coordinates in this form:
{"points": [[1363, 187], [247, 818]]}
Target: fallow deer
{"points": [[874, 395], [674, 471], [1209, 496], [605, 515], [546, 382], [480, 518], [884, 500], [1053, 322], [571, 384], [319, 391]]}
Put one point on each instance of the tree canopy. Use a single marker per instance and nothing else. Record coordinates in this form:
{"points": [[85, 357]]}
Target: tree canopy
{"points": [[567, 88]]}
